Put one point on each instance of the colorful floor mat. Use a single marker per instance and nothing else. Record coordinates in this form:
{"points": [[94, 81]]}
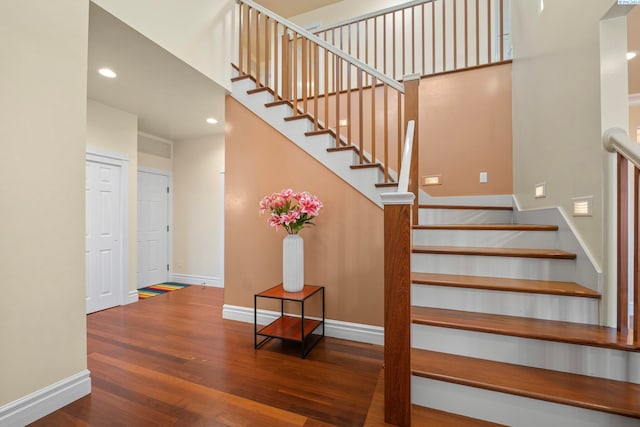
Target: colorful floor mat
{"points": [[162, 288]]}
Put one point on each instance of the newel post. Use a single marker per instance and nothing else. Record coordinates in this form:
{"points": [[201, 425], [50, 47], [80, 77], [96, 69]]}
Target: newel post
{"points": [[397, 307], [411, 101]]}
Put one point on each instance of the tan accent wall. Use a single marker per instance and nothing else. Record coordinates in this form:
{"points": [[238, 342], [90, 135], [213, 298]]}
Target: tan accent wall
{"points": [[43, 120], [116, 131], [465, 129], [343, 252], [198, 206]]}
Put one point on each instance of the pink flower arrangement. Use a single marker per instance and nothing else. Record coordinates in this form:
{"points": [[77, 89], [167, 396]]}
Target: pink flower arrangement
{"points": [[290, 210]]}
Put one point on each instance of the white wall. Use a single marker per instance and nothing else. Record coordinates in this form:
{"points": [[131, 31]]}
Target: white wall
{"points": [[154, 152], [556, 108], [198, 199], [43, 46], [116, 131], [342, 11], [199, 32]]}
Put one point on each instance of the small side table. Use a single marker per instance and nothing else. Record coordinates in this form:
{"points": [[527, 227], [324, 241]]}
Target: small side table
{"points": [[287, 327]]}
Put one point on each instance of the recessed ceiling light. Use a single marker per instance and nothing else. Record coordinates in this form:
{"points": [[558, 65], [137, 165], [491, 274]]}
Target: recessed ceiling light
{"points": [[212, 121], [631, 55], [108, 72]]}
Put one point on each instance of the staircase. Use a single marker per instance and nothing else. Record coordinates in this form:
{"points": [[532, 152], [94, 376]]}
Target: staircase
{"points": [[501, 330], [502, 333]]}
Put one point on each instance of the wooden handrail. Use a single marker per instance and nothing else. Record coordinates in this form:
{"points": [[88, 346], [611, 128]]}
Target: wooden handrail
{"points": [[440, 28], [616, 140]]}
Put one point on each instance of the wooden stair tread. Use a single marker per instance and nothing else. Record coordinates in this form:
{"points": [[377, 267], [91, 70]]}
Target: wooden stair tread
{"points": [[506, 227], [276, 103], [548, 330], [420, 416], [503, 252], [598, 394], [300, 116], [466, 207], [505, 284], [386, 184]]}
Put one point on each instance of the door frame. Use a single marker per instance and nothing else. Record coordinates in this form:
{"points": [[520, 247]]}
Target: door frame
{"points": [[122, 161], [169, 175]]}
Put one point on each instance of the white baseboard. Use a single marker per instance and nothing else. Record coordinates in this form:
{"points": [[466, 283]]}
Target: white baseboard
{"points": [[132, 296], [193, 279], [333, 328], [46, 400]]}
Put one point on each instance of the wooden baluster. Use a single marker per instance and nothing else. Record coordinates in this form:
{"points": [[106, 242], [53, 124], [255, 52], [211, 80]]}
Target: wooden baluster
{"points": [[373, 121], [267, 51], [304, 76], [466, 34], [636, 258], [360, 117], [258, 81], [326, 89], [384, 42], [393, 41], [411, 102], [375, 43], [404, 44], [489, 61], [399, 124], [316, 85], [249, 24], [339, 88], [294, 77], [433, 37], [276, 95], [358, 40], [501, 30], [386, 132], [424, 54], [623, 246], [349, 140], [397, 314], [477, 32], [455, 34], [413, 40], [444, 36], [366, 48], [349, 39], [285, 71], [241, 25]]}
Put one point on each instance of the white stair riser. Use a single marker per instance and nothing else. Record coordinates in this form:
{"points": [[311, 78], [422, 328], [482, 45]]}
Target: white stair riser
{"points": [[495, 266], [506, 408], [363, 181], [557, 356], [463, 216], [537, 306], [486, 238]]}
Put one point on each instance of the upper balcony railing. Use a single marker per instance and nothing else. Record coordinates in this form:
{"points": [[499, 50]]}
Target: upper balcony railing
{"points": [[427, 36]]}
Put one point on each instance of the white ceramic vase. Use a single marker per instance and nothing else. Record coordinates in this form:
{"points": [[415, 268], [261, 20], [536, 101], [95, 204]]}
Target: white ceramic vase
{"points": [[292, 263]]}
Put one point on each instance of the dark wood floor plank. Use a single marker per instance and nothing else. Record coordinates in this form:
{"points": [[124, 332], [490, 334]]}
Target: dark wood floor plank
{"points": [[172, 360], [505, 284], [598, 394], [549, 330]]}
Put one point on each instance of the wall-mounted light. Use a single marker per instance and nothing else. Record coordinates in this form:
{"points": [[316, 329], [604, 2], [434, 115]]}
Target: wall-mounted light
{"points": [[431, 180], [631, 54], [582, 206], [108, 73], [541, 190], [342, 122], [212, 121]]}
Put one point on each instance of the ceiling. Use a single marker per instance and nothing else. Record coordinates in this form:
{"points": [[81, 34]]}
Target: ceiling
{"points": [[171, 99], [289, 8]]}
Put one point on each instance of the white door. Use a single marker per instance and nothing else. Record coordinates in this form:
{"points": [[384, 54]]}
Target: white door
{"points": [[103, 235], [153, 228]]}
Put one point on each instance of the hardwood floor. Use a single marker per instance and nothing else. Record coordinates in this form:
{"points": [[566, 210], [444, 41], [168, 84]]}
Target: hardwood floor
{"points": [[172, 360]]}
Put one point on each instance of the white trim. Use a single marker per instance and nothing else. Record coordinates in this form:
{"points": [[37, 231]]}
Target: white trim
{"points": [[169, 175], [193, 279], [492, 200], [154, 137], [634, 99], [40, 403], [333, 328], [122, 161], [397, 198], [132, 297]]}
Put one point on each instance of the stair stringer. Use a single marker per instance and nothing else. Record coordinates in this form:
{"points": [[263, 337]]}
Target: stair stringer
{"points": [[363, 180]]}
